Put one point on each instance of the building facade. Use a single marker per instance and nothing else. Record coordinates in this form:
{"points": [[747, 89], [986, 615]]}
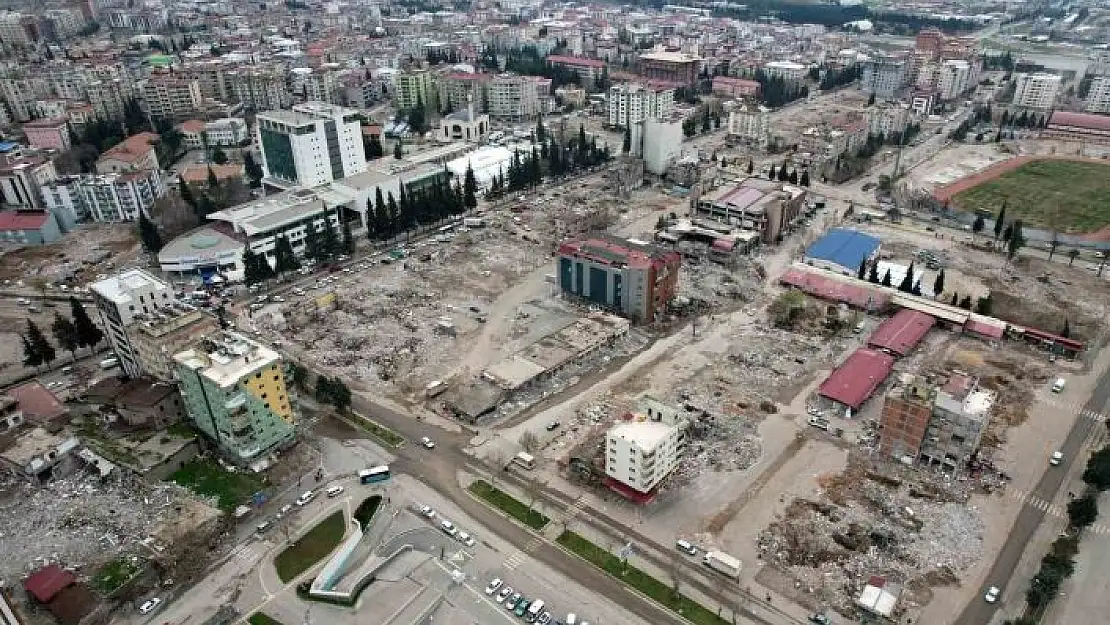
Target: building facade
{"points": [[662, 144], [675, 67], [235, 393], [883, 77], [1098, 95], [631, 103], [173, 97], [512, 98], [1037, 90], [166, 331], [634, 278], [415, 88], [644, 449], [229, 131], [50, 133], [22, 179], [750, 124], [104, 198], [310, 145], [121, 300], [764, 206]]}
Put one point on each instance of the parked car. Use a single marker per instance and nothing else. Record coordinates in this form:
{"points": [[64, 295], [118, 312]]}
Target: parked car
{"points": [[427, 512], [493, 585], [334, 491], [1057, 458], [448, 528], [150, 605], [305, 497], [465, 539], [820, 619], [504, 594], [554, 425], [428, 443], [992, 594], [513, 600]]}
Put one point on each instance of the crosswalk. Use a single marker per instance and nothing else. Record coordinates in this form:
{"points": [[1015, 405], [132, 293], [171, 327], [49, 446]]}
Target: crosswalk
{"points": [[520, 556], [247, 553], [1052, 509]]}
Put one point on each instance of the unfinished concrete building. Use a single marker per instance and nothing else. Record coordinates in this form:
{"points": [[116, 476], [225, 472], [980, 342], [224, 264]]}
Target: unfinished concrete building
{"points": [[936, 426]]}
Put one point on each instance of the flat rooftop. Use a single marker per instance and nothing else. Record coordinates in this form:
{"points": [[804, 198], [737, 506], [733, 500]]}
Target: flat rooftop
{"points": [[119, 287], [645, 435], [275, 211], [227, 357]]}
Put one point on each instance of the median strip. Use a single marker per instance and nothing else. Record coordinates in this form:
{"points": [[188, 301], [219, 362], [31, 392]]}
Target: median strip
{"points": [[664, 595], [508, 504], [378, 431]]}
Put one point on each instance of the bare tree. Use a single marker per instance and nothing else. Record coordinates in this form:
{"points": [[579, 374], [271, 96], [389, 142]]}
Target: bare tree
{"points": [[675, 573], [532, 490], [529, 441]]}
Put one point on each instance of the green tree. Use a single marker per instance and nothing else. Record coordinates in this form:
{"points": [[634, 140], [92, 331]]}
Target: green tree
{"points": [[284, 258], [751, 167], [984, 305], [372, 147], [771, 172], [626, 144], [398, 151], [323, 389], [1083, 511], [886, 278], [314, 243], [873, 274], [394, 221], [253, 169], [804, 180], [340, 395], [1066, 331], [541, 131], [1097, 472], [219, 157], [187, 195], [66, 334], [938, 284], [862, 273], [348, 242], [1000, 221], [31, 356], [979, 224], [43, 350], [1015, 241], [689, 127], [470, 188], [252, 272], [965, 303], [213, 181], [906, 285], [148, 234], [87, 331]]}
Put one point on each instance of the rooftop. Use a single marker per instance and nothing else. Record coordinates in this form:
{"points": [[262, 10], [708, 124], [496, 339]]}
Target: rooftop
{"points": [[227, 357], [902, 332], [23, 220], [613, 251], [48, 581], [847, 248], [669, 57], [132, 148], [203, 242], [853, 382], [275, 211], [118, 288], [37, 402], [643, 434]]}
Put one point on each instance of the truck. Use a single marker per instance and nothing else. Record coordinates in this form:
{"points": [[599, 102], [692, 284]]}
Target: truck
{"points": [[474, 222], [722, 563]]}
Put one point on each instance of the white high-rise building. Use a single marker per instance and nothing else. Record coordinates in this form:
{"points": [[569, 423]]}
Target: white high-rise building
{"points": [[104, 197], [312, 144], [883, 76], [750, 124], [1037, 91], [119, 300], [632, 103], [953, 78], [1098, 96], [513, 98], [643, 450], [662, 144]]}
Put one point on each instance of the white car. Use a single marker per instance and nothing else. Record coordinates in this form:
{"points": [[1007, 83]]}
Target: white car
{"points": [[428, 443], [504, 593], [1057, 458], [305, 497], [284, 511], [427, 512], [334, 491], [992, 594], [493, 585], [448, 528], [150, 605], [466, 539]]}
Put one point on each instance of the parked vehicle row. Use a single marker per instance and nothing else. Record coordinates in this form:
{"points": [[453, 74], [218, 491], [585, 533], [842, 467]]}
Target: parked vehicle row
{"points": [[530, 610], [447, 527]]}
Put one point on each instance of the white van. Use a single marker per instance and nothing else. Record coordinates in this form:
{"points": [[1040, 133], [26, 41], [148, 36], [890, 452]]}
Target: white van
{"points": [[1058, 385]]}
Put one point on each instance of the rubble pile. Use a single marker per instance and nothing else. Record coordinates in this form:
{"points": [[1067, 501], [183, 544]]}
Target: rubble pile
{"points": [[81, 522], [720, 287], [915, 530]]}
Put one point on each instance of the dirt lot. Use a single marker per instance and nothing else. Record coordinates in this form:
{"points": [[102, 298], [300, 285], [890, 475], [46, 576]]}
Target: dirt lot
{"points": [[78, 258]]}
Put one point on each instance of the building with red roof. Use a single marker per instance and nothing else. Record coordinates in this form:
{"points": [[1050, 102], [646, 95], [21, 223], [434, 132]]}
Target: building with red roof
{"points": [[47, 582], [134, 153], [902, 332], [1079, 126], [29, 227], [635, 278], [855, 293], [853, 382], [37, 403]]}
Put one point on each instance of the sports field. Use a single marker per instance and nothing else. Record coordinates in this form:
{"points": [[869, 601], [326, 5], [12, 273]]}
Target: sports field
{"points": [[1067, 196]]}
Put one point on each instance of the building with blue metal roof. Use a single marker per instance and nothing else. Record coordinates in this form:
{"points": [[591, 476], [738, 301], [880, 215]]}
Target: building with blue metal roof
{"points": [[842, 250]]}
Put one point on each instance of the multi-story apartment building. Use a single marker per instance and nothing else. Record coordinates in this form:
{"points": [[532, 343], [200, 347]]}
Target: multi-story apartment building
{"points": [[787, 70], [228, 131], [735, 87], [750, 123], [120, 300], [886, 118], [936, 426], [766, 207], [675, 67], [587, 70], [1098, 95], [17, 29], [49, 133], [22, 179], [458, 90], [135, 153], [632, 103], [416, 87], [512, 98], [1037, 90], [235, 393], [20, 92], [311, 144], [103, 197], [883, 76], [170, 96], [161, 333], [635, 279], [644, 448], [953, 78], [109, 96], [259, 89]]}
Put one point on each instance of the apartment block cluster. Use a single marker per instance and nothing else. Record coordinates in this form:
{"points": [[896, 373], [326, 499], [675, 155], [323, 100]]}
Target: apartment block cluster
{"points": [[233, 389]]}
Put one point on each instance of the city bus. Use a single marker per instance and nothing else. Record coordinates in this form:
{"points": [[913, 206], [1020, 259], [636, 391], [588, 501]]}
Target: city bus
{"points": [[373, 474]]}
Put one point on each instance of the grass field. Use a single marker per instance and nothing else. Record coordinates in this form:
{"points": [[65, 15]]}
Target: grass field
{"points": [[660, 592], [311, 548], [1066, 196], [508, 504], [260, 618], [206, 477]]}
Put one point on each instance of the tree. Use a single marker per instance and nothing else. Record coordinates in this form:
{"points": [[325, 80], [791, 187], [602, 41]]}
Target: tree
{"points": [[804, 180], [906, 285], [771, 172], [252, 274], [42, 349], [1073, 253], [87, 331], [871, 99], [965, 303], [1082, 511], [1066, 331], [1000, 221], [313, 243], [955, 299], [148, 234], [984, 304], [1007, 232], [219, 157], [66, 334], [886, 278], [1015, 241], [862, 273], [398, 151], [979, 224], [329, 244], [470, 189], [529, 441], [187, 195], [873, 276], [348, 238], [31, 357], [783, 176], [626, 145], [916, 290], [372, 147], [689, 127], [1052, 245], [1097, 472], [212, 181], [284, 258], [751, 167], [253, 170]]}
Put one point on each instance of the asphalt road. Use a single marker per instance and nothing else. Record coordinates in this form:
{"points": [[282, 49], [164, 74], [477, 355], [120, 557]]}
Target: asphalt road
{"points": [[1029, 519], [438, 468]]}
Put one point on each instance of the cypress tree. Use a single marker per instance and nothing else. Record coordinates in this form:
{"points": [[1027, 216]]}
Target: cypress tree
{"points": [[88, 333]]}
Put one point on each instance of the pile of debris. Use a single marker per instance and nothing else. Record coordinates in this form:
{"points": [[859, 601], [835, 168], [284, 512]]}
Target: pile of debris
{"points": [[909, 528]]}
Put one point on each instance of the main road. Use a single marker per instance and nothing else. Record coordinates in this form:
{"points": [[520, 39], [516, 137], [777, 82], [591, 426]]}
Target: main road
{"points": [[1029, 519]]}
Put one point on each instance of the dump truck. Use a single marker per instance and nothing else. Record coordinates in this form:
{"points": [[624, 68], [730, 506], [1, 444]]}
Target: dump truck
{"points": [[723, 563]]}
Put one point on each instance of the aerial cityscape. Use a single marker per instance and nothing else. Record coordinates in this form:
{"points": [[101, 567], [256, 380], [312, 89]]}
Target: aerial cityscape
{"points": [[471, 312]]}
